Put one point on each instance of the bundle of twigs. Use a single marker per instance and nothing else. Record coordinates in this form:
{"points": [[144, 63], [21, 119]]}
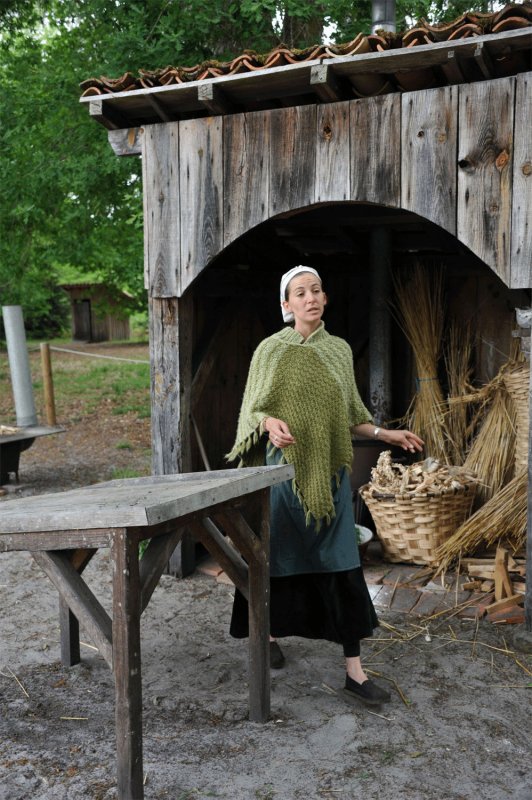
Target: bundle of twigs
{"points": [[501, 519], [419, 310]]}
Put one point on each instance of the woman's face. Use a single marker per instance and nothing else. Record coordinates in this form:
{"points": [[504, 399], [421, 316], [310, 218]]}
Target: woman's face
{"points": [[306, 299]]}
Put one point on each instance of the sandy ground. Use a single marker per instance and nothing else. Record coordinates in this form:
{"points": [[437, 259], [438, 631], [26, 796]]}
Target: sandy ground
{"points": [[459, 726]]}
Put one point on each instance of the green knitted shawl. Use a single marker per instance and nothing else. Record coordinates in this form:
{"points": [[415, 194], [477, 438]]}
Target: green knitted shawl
{"points": [[310, 384]]}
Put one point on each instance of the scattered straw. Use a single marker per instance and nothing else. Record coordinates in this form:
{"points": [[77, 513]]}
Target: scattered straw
{"points": [[502, 518], [12, 675]]}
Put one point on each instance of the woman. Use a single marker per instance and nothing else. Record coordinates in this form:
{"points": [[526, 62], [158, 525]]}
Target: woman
{"points": [[301, 393]]}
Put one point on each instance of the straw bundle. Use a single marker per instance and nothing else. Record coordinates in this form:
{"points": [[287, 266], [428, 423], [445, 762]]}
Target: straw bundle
{"points": [[516, 380], [492, 453], [501, 519], [419, 310], [458, 365]]}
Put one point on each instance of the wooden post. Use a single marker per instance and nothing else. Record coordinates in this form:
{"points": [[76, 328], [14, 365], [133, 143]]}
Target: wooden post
{"points": [[528, 594], [259, 621], [171, 378], [48, 384], [127, 666]]}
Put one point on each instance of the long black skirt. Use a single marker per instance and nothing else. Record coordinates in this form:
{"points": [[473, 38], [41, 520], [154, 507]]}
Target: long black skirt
{"points": [[335, 606]]}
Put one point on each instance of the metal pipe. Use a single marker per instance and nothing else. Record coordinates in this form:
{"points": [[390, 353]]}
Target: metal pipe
{"points": [[382, 15], [380, 359], [19, 366]]}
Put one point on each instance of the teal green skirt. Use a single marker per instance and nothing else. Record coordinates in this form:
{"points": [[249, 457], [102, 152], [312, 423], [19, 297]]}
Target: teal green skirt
{"points": [[317, 586]]}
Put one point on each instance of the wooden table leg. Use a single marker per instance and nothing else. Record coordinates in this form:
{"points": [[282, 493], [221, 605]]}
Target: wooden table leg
{"points": [[68, 623], [127, 666], [259, 621]]}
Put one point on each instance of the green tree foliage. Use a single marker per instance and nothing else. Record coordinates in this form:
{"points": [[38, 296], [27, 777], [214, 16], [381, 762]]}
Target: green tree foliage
{"points": [[65, 199]]}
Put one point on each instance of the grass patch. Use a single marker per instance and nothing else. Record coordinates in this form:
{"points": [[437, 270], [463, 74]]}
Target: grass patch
{"points": [[124, 472], [84, 386]]}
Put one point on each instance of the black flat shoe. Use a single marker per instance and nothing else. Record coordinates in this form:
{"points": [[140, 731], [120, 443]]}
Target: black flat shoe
{"points": [[277, 658], [367, 691]]}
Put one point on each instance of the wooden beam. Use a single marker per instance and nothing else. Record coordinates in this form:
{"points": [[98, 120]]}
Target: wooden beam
{"points": [[326, 85], [79, 598], [452, 70], [68, 623], [484, 60], [109, 116], [171, 321], [231, 562], [154, 562], [126, 141], [213, 98], [159, 109], [249, 544]]}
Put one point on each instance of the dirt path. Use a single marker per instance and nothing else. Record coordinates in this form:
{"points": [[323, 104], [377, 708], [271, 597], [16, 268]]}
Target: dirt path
{"points": [[458, 727]]}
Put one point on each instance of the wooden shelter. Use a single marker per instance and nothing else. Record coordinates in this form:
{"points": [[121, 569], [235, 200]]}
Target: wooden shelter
{"points": [[99, 312], [427, 146]]}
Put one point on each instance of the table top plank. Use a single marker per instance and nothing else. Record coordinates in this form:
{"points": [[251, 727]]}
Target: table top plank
{"points": [[134, 502]]}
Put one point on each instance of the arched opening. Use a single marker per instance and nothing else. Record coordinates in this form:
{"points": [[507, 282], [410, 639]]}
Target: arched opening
{"points": [[236, 302]]}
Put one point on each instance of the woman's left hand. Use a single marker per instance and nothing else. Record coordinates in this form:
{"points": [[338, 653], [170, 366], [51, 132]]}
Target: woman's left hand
{"points": [[405, 439]]}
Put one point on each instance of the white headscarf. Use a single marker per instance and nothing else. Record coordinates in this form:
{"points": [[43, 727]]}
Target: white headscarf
{"points": [[285, 280]]}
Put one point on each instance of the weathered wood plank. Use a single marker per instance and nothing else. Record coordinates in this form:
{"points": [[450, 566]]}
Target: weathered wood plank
{"points": [[292, 158], [246, 173], [333, 178], [127, 666], [522, 185], [485, 154], [91, 615], [528, 591], [376, 150], [201, 187], [259, 621], [171, 335], [170, 358], [429, 137], [144, 502], [160, 156]]}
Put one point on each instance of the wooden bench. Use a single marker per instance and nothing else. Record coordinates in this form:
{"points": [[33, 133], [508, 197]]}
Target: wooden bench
{"points": [[63, 531]]}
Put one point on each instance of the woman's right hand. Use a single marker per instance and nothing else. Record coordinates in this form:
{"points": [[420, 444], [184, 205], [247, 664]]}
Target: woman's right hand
{"points": [[278, 432]]}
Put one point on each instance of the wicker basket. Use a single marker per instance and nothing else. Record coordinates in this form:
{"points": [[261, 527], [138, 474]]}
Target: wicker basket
{"points": [[411, 527], [516, 382]]}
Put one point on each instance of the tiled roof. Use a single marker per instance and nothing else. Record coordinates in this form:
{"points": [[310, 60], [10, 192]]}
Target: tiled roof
{"points": [[472, 24]]}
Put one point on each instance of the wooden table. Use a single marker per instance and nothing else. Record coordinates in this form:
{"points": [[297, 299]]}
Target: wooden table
{"points": [[63, 531]]}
